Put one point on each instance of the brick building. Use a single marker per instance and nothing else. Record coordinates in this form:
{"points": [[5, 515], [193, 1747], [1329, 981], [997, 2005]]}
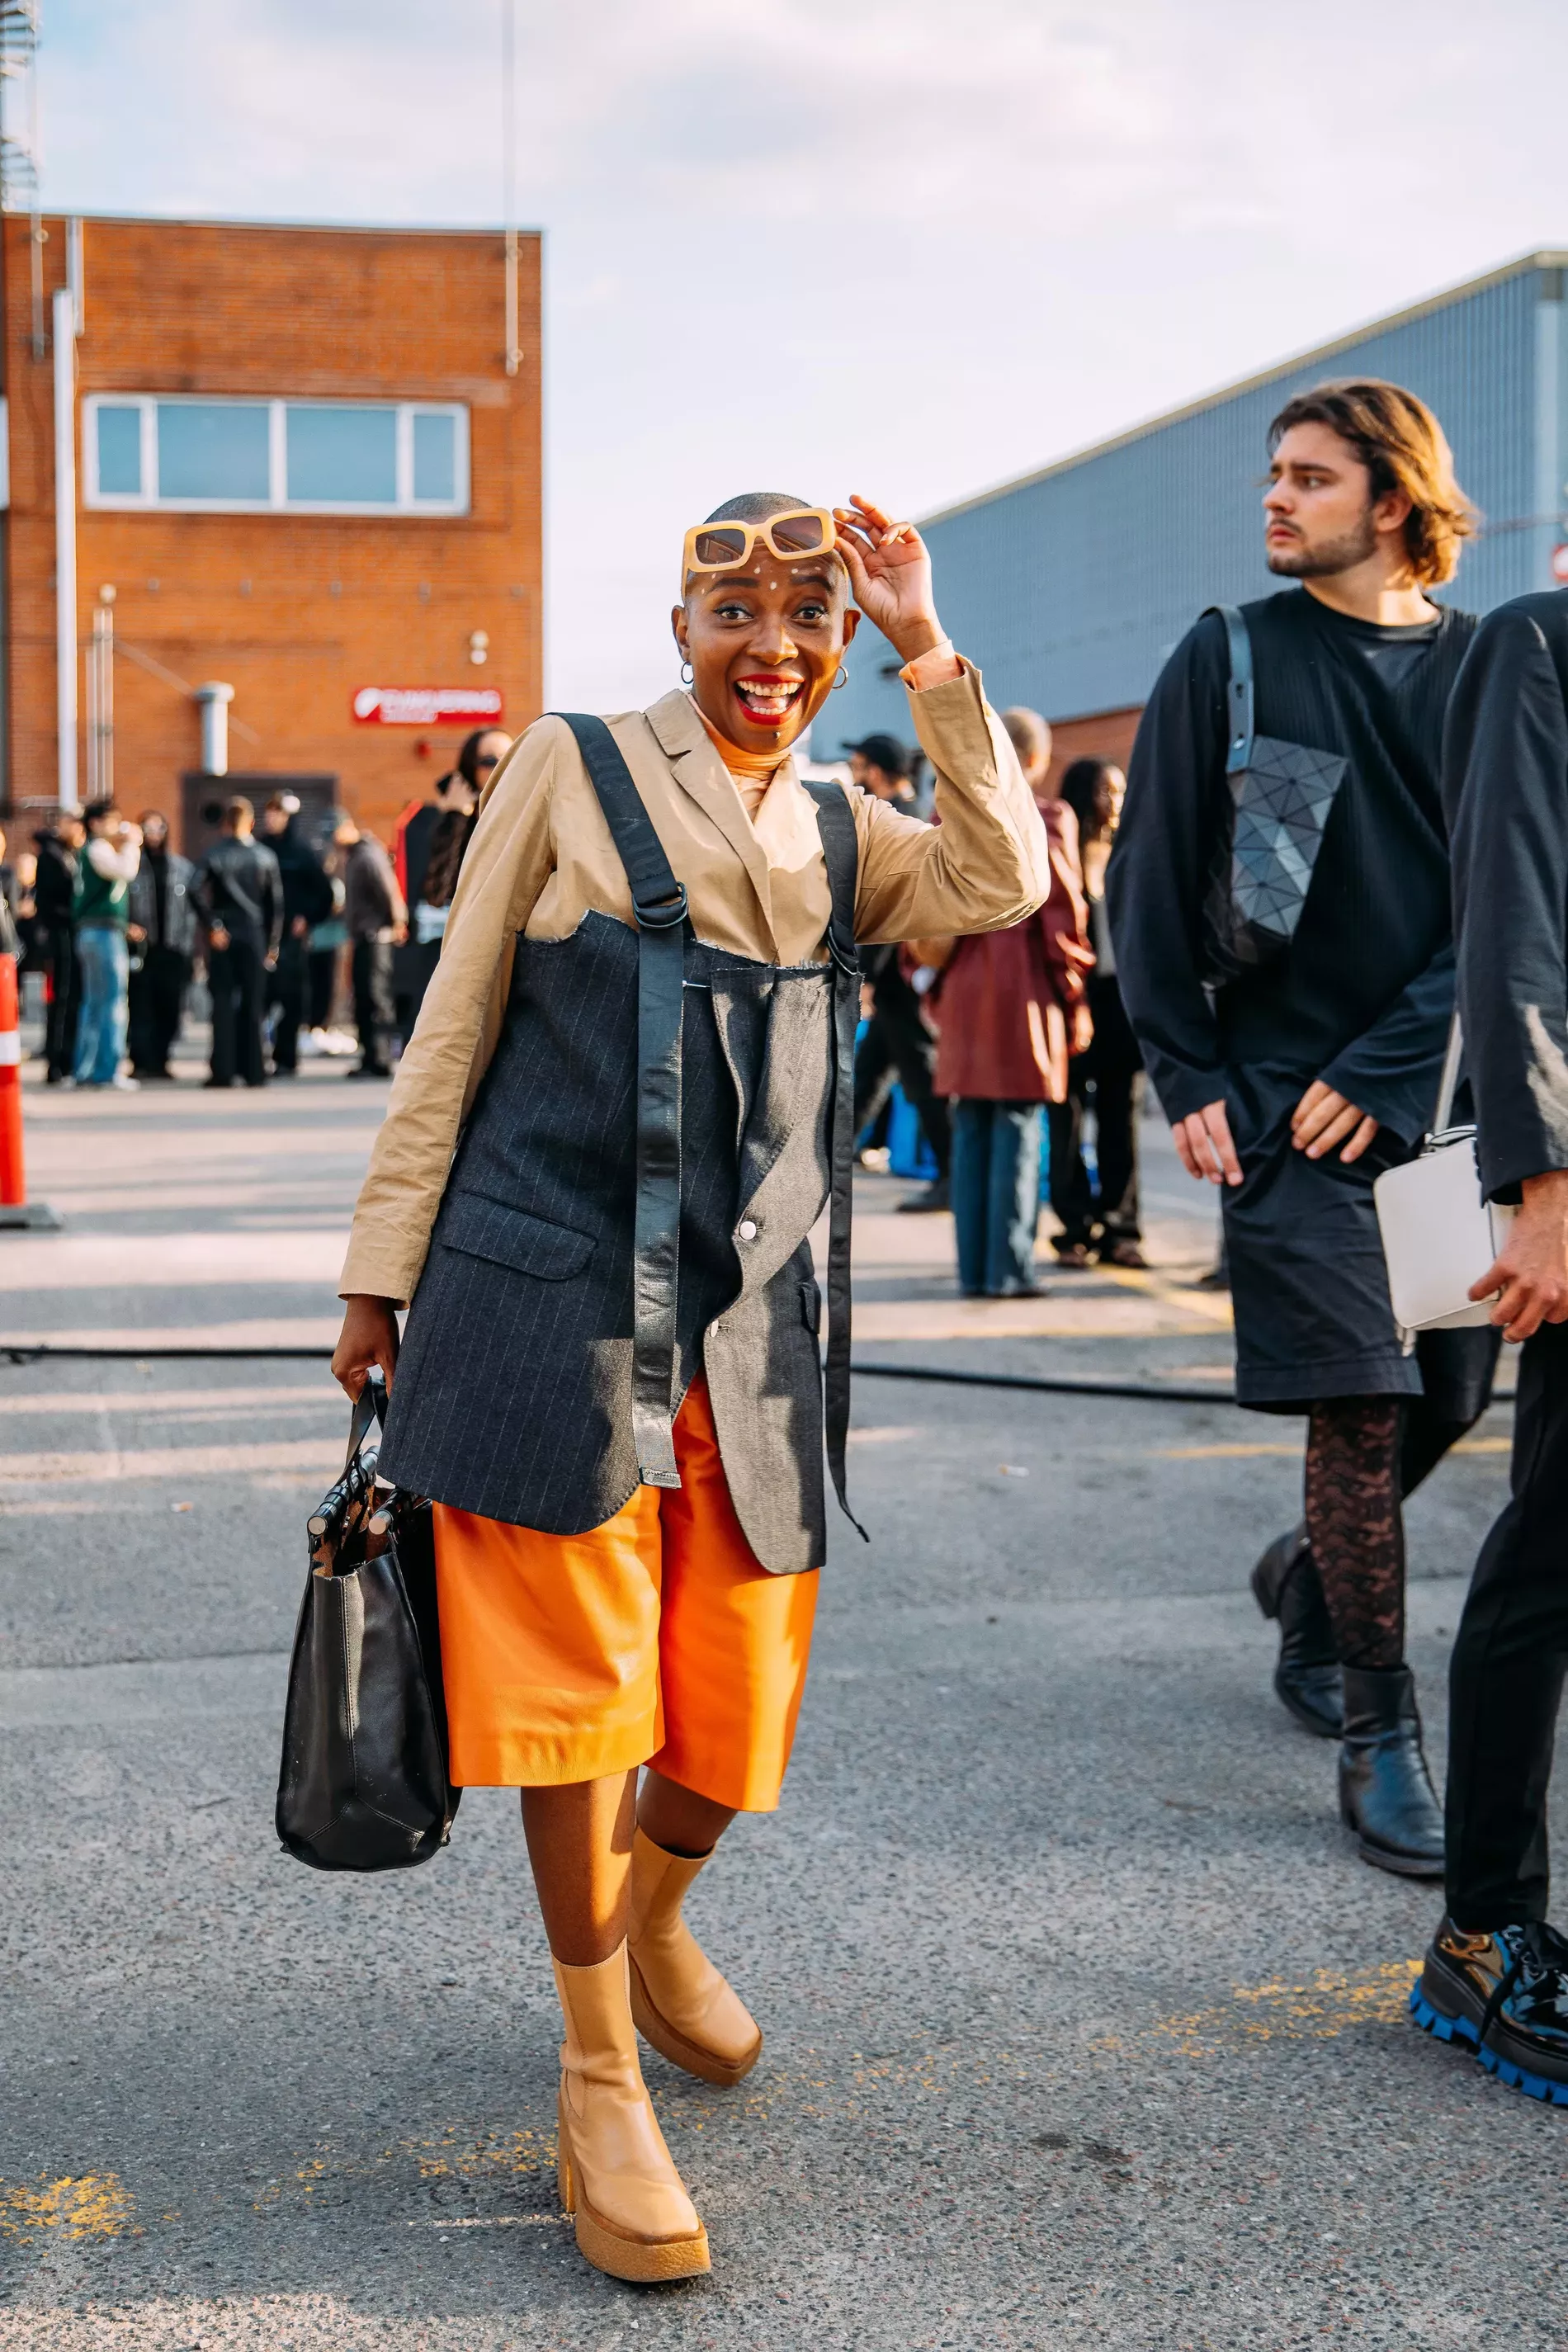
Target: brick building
{"points": [[304, 469]]}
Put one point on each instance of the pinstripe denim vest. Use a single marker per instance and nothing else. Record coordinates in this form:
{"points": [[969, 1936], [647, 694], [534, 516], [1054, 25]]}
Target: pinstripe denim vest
{"points": [[515, 1386]]}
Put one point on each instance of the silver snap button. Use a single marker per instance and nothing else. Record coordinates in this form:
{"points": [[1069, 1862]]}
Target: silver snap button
{"points": [[748, 1229]]}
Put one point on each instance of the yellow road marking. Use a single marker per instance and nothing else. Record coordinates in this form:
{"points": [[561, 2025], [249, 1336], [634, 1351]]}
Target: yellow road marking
{"points": [[1329, 2003], [92, 2205]]}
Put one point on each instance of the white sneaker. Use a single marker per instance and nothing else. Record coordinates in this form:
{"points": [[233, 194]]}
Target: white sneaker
{"points": [[123, 1086], [312, 1042]]}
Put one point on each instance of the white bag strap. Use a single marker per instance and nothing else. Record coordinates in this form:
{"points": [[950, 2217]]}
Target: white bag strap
{"points": [[1449, 1086]]}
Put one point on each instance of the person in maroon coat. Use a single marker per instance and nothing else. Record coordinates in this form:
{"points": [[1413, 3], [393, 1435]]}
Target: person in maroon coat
{"points": [[1011, 1009]]}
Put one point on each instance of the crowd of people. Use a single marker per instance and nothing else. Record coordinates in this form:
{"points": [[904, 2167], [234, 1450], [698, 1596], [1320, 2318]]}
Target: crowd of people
{"points": [[1012, 1046], [117, 924]]}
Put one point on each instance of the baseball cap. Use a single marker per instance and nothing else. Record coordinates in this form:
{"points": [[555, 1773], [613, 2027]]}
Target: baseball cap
{"points": [[885, 751]]}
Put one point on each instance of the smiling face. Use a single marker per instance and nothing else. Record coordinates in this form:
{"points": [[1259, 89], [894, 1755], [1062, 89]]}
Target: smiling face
{"points": [[764, 644]]}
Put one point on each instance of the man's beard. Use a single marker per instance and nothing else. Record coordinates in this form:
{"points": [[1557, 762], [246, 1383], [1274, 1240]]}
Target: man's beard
{"points": [[1303, 563]]}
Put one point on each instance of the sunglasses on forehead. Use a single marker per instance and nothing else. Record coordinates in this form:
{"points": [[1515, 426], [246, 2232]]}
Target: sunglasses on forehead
{"points": [[725, 546]]}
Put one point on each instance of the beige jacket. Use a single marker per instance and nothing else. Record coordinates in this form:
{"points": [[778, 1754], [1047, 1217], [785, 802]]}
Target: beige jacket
{"points": [[541, 857]]}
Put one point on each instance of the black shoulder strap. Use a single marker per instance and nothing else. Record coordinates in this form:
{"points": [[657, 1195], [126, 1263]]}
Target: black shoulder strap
{"points": [[841, 848], [1238, 700], [658, 901]]}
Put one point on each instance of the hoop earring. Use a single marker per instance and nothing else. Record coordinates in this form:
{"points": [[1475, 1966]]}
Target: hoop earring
{"points": [[842, 678], [687, 674]]}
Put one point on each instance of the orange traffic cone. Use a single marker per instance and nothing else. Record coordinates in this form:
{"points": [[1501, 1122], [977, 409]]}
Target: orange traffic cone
{"points": [[15, 1211]]}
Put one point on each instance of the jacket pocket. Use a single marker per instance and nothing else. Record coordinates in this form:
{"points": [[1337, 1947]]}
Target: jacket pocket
{"points": [[478, 1227], [811, 1306]]}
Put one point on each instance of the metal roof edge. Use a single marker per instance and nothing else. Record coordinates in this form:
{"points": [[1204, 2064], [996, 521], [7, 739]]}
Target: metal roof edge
{"points": [[326, 227], [1548, 259]]}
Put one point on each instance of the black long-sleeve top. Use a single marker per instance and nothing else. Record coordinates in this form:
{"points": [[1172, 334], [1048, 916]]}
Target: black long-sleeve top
{"points": [[1505, 787], [1364, 996]]}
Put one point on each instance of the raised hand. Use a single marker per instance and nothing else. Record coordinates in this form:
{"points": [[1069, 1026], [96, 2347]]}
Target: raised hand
{"points": [[889, 572]]}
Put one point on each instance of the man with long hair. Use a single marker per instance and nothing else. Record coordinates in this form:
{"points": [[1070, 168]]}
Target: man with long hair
{"points": [[1297, 1063]]}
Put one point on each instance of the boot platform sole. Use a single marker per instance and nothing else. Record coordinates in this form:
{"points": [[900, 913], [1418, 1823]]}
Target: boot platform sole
{"points": [[690, 2056], [1460, 2032], [641, 2261]]}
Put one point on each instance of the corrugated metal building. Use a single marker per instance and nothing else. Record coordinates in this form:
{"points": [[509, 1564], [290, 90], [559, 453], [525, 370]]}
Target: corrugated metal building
{"points": [[1072, 585]]}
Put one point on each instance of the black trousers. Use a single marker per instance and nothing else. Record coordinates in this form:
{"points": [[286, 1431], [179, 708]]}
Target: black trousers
{"points": [[157, 996], [59, 1030], [321, 963], [375, 1011], [899, 1046], [1109, 1207], [236, 976], [1506, 1678], [288, 990], [1108, 1079]]}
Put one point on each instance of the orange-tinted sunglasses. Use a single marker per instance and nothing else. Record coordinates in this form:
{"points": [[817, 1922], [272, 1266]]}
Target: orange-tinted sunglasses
{"points": [[725, 546]]}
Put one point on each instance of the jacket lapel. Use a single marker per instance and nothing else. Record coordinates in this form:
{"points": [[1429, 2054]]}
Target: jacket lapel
{"points": [[701, 774]]}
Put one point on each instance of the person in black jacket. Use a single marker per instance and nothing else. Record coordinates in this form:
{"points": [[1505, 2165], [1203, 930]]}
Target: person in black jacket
{"points": [[377, 920], [1495, 1980], [239, 894], [162, 931], [59, 845], [1291, 1082], [307, 901]]}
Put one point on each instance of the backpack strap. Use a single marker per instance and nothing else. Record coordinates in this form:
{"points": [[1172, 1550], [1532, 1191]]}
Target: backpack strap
{"points": [[841, 848], [658, 902], [1238, 698]]}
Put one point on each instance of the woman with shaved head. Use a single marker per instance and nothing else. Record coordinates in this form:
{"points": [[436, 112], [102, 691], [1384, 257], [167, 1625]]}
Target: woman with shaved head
{"points": [[626, 1100]]}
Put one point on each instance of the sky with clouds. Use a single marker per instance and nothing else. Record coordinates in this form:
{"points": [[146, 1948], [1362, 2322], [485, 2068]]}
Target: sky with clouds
{"points": [[905, 247]]}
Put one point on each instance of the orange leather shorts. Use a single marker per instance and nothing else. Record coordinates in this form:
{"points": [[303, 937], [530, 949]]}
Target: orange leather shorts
{"points": [[655, 1639]]}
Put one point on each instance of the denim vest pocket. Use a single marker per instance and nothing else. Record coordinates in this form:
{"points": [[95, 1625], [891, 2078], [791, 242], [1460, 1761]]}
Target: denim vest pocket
{"points": [[480, 1227]]}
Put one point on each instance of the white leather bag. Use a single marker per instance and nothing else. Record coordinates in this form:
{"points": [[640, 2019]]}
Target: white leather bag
{"points": [[1439, 1233]]}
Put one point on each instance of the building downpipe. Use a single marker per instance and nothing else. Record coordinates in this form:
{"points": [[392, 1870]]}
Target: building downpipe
{"points": [[64, 540], [212, 700]]}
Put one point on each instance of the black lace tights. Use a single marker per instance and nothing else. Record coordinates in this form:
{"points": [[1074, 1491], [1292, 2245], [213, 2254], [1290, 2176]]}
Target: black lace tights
{"points": [[1354, 1525], [1364, 1455]]}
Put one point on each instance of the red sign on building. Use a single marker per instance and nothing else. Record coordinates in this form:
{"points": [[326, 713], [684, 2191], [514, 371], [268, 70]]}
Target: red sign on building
{"points": [[428, 705]]}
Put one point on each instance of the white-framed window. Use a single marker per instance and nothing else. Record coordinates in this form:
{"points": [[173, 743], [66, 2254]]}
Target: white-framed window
{"points": [[188, 453]]}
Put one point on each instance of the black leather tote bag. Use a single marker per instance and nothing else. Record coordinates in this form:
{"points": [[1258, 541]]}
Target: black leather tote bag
{"points": [[1280, 797], [362, 1784]]}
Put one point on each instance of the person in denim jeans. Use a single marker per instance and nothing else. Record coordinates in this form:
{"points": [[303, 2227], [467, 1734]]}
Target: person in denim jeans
{"points": [[1011, 1007], [105, 871]]}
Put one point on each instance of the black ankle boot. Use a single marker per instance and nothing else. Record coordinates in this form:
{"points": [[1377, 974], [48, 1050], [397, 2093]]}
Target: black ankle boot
{"points": [[1285, 1584], [1385, 1790]]}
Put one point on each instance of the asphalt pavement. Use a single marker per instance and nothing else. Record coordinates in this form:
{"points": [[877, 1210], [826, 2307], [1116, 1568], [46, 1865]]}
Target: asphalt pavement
{"points": [[1085, 2027]]}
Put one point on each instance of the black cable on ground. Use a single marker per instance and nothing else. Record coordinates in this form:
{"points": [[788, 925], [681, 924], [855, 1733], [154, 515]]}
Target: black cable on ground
{"points": [[1042, 1384], [44, 1353], [1168, 1391], [1037, 1383]]}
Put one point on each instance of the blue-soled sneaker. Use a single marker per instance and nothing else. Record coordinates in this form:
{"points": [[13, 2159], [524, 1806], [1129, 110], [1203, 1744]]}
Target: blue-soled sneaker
{"points": [[1502, 1995]]}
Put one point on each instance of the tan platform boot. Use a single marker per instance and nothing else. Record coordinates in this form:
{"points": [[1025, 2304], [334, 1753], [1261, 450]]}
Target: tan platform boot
{"points": [[680, 2001], [615, 2173]]}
